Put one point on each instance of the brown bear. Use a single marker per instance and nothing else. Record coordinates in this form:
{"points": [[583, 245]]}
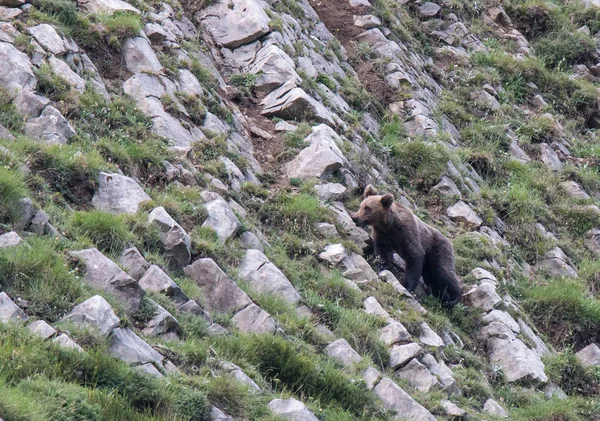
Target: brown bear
{"points": [[424, 249]]}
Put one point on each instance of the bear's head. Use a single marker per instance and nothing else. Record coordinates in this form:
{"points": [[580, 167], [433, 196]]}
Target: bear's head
{"points": [[374, 209]]}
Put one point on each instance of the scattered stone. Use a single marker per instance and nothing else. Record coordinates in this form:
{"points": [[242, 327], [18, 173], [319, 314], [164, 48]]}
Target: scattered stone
{"points": [[552, 391], [156, 280], [574, 190], [484, 275], [550, 158], [238, 374], [417, 376], [50, 127], [149, 368], [9, 311], [127, 346], [372, 306], [446, 187], [485, 100], [96, 312], [249, 241], [16, 73], [370, 375], [41, 329], [163, 323], [140, 57], [589, 356], [291, 409], [253, 319], [329, 230], [393, 333], [29, 103], [429, 10], [104, 274], [442, 372], [221, 219], [501, 317], [39, 222], [106, 7], [62, 70], [48, 38], [483, 296], [396, 399], [233, 23], [367, 21], [462, 213], [592, 241], [429, 337], [264, 277], [134, 263], [493, 408], [10, 239], [217, 415], [341, 351], [292, 103], [118, 194], [555, 264], [66, 342], [330, 191], [452, 411], [176, 242], [517, 153], [401, 354], [8, 14], [334, 254]]}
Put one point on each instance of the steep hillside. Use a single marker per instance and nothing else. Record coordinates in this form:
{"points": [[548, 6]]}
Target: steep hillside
{"points": [[176, 185]]}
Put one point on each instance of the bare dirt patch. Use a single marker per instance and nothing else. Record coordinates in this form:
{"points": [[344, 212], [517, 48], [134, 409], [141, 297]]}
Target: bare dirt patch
{"points": [[109, 61]]}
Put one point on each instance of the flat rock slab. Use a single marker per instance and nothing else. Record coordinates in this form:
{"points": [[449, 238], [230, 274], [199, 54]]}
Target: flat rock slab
{"points": [[341, 351], [16, 73], [253, 319], [394, 398], [402, 354], [50, 127], [493, 408], [264, 277], [96, 312], [127, 346], [140, 57], [156, 280], [41, 329], [221, 219], [66, 342], [9, 311], [484, 296], [417, 376], [10, 239], [134, 263], [106, 7], [48, 38], [393, 333], [118, 194], [104, 274], [462, 213], [291, 409]]}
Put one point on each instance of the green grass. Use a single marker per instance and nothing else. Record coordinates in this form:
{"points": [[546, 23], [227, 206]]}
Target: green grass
{"points": [[10, 117], [296, 213], [12, 189], [107, 231], [565, 370], [121, 25], [50, 84]]}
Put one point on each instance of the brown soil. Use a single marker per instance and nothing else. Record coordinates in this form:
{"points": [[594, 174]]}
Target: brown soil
{"points": [[338, 17], [109, 61]]}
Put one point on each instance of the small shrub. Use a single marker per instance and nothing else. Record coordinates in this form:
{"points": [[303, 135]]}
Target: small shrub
{"points": [[109, 232], [327, 81], [10, 117], [419, 162], [565, 370], [565, 47], [50, 84], [294, 212], [244, 82], [471, 250], [122, 25]]}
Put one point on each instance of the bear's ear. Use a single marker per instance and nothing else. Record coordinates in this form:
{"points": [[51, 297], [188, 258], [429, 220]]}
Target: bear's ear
{"points": [[369, 191], [387, 200]]}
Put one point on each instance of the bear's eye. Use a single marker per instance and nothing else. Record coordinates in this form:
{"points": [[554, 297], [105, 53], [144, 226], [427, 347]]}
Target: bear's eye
{"points": [[367, 209]]}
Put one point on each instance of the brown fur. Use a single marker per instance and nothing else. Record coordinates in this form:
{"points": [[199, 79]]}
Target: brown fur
{"points": [[424, 249]]}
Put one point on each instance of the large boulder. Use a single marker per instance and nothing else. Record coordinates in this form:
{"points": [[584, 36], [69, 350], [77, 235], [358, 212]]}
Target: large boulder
{"points": [[555, 263], [341, 351], [221, 219], [274, 67], [176, 242], [16, 73], [48, 38], [264, 277], [220, 293], [483, 296], [291, 409], [402, 354], [417, 376], [292, 103], [140, 57], [63, 71], [394, 398], [462, 213], [253, 319], [127, 346], [322, 156], [96, 312], [117, 193], [233, 23], [104, 274], [50, 127], [106, 7], [9, 311]]}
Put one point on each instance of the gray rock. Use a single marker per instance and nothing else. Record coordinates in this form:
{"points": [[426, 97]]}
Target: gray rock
{"points": [[330, 191], [493, 408], [501, 317], [517, 153], [393, 333], [292, 103], [188, 83], [329, 230], [127, 346], [233, 23], [150, 369], [589, 356], [10, 239], [216, 329], [48, 38], [255, 320], [104, 274], [428, 337], [221, 219], [157, 33], [481, 274], [341, 351], [7, 14], [442, 372], [483, 296], [274, 68], [574, 190], [320, 158], [429, 9], [238, 374], [134, 263], [446, 187], [156, 280], [452, 411], [291, 409], [555, 264], [373, 307], [370, 375], [334, 254], [176, 242], [5, 134], [484, 100], [140, 57], [106, 7], [39, 222], [417, 376], [592, 241], [95, 312], [50, 127], [358, 269], [540, 347], [356, 234], [221, 293], [29, 103], [119, 194], [16, 73], [9, 311], [367, 21], [462, 213], [162, 323], [42, 329], [549, 157], [401, 354], [250, 241], [64, 341], [396, 399], [552, 391], [62, 70], [217, 415], [264, 277]]}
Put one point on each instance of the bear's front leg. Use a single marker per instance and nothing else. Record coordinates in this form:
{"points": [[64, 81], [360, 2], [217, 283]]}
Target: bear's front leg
{"points": [[414, 268], [385, 253]]}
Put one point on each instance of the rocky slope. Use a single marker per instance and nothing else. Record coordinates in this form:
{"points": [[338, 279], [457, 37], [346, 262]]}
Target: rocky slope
{"points": [[175, 189]]}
